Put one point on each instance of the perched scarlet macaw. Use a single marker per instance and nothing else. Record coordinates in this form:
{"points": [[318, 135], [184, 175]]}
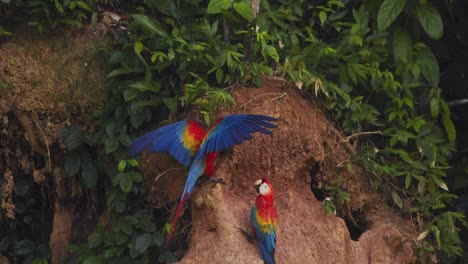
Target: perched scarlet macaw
{"points": [[196, 148], [265, 220]]}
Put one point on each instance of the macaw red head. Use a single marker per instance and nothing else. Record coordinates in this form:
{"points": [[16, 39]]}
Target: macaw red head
{"points": [[264, 187]]}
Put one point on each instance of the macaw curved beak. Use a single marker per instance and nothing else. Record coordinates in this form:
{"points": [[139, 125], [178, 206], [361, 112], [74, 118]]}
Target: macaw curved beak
{"points": [[257, 185]]}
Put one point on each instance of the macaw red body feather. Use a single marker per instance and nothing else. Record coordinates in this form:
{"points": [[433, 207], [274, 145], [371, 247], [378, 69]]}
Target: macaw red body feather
{"points": [[265, 223], [196, 148], [193, 136]]}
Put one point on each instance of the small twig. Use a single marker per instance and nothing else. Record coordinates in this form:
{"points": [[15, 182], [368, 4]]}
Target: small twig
{"points": [[256, 97], [341, 163], [279, 97], [22, 55], [350, 215], [296, 120], [46, 143], [458, 102], [166, 171], [360, 134]]}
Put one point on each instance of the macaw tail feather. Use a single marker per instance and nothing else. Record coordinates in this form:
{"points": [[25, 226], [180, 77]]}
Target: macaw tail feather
{"points": [[176, 216], [268, 257]]}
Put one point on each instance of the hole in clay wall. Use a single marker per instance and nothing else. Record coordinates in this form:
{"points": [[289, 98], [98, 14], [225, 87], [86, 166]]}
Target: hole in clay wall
{"points": [[316, 183], [355, 221], [357, 224]]}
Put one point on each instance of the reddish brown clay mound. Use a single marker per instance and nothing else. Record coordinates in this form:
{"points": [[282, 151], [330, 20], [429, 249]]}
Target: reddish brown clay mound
{"points": [[306, 234]]}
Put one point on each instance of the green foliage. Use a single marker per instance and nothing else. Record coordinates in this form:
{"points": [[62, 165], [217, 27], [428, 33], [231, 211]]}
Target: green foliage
{"points": [[81, 159], [386, 82], [132, 238], [51, 13], [388, 12]]}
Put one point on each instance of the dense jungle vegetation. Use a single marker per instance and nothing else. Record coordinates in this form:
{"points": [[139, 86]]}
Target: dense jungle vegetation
{"points": [[391, 73]]}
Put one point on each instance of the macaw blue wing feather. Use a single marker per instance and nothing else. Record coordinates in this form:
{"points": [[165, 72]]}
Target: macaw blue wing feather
{"points": [[234, 129], [169, 139]]}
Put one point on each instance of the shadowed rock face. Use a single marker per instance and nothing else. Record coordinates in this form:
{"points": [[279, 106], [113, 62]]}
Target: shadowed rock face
{"points": [[306, 234]]}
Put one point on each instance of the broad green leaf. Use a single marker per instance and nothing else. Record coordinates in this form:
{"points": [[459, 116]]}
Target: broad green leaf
{"points": [[402, 45], [138, 47], [121, 166], [89, 175], [130, 94], [74, 138], [72, 5], [397, 199], [136, 120], [84, 6], [125, 183], [158, 239], [3, 32], [109, 253], [440, 182], [421, 187], [111, 128], [219, 75], [146, 86], [149, 24], [166, 228], [428, 64], [407, 181], [111, 143], [218, 6], [24, 247], [244, 9], [430, 20], [125, 139], [123, 224], [142, 242], [94, 18], [434, 107], [146, 224], [116, 179], [447, 121], [388, 12], [171, 54], [271, 52], [72, 164], [436, 233], [135, 176], [59, 7], [427, 148], [133, 162], [322, 17], [120, 236], [171, 103], [121, 71], [95, 240]]}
